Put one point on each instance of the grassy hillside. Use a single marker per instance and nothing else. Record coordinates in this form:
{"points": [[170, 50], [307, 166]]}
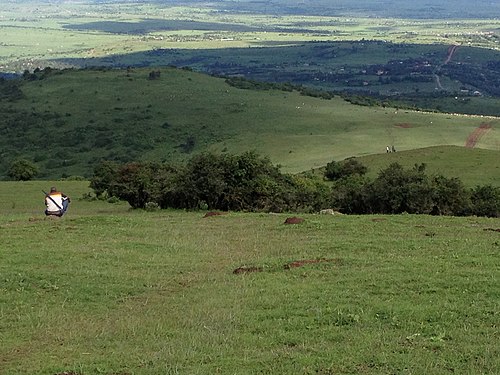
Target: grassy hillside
{"points": [[67, 121], [107, 290], [424, 76], [473, 166]]}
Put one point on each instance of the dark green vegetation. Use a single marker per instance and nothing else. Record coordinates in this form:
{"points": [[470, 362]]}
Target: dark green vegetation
{"points": [[67, 121], [248, 182], [244, 182], [108, 290], [22, 170]]}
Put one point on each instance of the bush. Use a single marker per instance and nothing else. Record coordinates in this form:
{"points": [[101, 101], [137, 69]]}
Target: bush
{"points": [[311, 194], [348, 167], [104, 174], [140, 183], [397, 190], [233, 182], [485, 201], [349, 194], [450, 197], [22, 170]]}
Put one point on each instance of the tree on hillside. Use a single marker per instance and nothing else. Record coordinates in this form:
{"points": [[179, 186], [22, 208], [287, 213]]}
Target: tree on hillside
{"points": [[22, 170], [348, 167], [450, 196], [349, 194], [486, 201], [397, 190]]}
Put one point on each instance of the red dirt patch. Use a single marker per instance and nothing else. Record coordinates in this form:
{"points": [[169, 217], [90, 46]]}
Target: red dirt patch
{"points": [[294, 220], [213, 213], [244, 269], [403, 125], [300, 263], [477, 134]]}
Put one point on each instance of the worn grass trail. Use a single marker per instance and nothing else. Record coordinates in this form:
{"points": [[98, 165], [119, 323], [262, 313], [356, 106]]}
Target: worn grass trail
{"points": [[108, 290]]}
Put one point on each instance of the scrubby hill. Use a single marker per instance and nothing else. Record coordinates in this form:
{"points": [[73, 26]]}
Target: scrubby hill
{"points": [[67, 121]]}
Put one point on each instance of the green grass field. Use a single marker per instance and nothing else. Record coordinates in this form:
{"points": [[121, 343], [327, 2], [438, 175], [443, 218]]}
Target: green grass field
{"points": [[108, 290]]}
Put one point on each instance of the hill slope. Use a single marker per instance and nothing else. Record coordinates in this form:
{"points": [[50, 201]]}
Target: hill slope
{"points": [[473, 166], [67, 121]]}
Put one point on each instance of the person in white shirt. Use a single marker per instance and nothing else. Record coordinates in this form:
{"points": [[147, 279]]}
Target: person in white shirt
{"points": [[56, 203]]}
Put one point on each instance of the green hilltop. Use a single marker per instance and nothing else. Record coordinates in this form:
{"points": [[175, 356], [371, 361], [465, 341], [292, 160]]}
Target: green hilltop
{"points": [[67, 121]]}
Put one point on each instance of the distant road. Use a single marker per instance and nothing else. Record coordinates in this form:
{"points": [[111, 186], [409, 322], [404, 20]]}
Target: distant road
{"points": [[451, 51]]}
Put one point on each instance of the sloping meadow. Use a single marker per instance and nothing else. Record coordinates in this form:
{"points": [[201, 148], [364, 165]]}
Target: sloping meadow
{"points": [[109, 290], [68, 121]]}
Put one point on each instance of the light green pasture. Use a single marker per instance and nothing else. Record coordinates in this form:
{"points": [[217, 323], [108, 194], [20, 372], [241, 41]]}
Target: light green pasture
{"points": [[107, 290]]}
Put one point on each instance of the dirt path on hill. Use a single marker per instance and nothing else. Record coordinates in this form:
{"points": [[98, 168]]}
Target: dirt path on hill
{"points": [[451, 51], [438, 82], [449, 55], [477, 134]]}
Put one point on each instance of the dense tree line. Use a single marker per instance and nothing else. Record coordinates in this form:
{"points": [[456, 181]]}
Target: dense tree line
{"points": [[218, 182], [398, 190], [485, 77], [249, 182]]}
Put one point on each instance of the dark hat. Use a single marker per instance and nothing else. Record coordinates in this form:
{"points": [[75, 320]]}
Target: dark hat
{"points": [[53, 189]]}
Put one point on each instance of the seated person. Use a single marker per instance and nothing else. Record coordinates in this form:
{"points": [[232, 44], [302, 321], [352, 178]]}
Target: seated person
{"points": [[56, 203]]}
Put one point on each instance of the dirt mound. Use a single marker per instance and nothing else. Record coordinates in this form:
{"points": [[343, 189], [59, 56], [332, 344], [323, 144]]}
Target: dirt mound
{"points": [[300, 263], [214, 213], [294, 220], [477, 134], [244, 269], [403, 125], [492, 229]]}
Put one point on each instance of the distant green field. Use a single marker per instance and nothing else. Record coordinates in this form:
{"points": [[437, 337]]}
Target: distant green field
{"points": [[69, 121], [108, 290]]}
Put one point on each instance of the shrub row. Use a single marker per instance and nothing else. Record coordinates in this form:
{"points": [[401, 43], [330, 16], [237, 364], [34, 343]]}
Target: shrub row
{"points": [[398, 190], [245, 182], [248, 182]]}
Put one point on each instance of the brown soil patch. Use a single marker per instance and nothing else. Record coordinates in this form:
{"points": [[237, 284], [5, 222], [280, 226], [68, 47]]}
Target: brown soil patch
{"points": [[300, 263], [477, 134], [492, 229], [241, 270], [294, 220], [403, 125], [378, 219], [213, 213]]}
